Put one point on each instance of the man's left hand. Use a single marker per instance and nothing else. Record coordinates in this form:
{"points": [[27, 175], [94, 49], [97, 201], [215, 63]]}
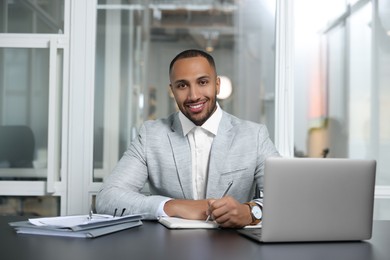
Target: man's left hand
{"points": [[229, 213]]}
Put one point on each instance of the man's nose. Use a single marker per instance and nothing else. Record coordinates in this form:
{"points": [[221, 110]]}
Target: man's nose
{"points": [[194, 93]]}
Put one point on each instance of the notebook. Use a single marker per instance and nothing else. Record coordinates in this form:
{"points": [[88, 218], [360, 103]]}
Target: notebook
{"points": [[312, 199], [180, 223]]}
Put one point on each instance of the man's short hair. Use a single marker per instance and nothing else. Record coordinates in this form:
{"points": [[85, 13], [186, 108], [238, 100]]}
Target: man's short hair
{"points": [[191, 54]]}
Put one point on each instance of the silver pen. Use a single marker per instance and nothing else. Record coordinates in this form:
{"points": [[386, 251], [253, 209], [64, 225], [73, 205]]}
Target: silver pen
{"points": [[223, 195]]}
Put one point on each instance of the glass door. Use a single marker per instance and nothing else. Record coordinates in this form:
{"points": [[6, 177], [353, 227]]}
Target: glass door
{"points": [[32, 68]]}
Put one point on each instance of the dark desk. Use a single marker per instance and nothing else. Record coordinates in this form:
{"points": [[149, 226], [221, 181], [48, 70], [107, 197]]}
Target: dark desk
{"points": [[153, 241]]}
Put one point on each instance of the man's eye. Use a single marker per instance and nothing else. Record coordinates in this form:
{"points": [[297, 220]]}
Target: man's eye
{"points": [[203, 82], [181, 85]]}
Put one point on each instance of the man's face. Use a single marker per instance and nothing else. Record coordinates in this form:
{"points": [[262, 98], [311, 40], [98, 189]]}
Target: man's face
{"points": [[195, 86]]}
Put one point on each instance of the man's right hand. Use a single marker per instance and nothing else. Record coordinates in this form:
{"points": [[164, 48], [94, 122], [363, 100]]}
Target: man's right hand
{"points": [[188, 209]]}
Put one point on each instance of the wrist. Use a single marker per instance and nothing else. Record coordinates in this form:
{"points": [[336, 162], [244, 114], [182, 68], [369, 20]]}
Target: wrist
{"points": [[248, 215], [255, 212], [170, 208], [188, 209], [160, 210]]}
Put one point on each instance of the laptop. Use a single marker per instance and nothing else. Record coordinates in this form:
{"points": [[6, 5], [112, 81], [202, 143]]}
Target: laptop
{"points": [[312, 199]]}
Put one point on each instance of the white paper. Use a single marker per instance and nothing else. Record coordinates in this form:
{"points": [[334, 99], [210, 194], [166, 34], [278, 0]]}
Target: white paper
{"points": [[180, 223], [25, 227], [72, 221]]}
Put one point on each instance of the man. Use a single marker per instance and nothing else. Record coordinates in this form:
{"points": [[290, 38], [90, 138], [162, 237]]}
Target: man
{"points": [[190, 158]]}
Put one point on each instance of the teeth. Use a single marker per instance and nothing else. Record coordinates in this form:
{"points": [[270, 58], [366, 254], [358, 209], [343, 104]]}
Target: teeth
{"points": [[196, 106]]}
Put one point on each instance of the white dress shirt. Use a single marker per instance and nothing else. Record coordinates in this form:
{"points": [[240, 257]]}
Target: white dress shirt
{"points": [[200, 139]]}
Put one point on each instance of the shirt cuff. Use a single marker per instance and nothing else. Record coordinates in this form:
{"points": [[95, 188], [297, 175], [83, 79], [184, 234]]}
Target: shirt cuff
{"points": [[160, 211], [259, 202]]}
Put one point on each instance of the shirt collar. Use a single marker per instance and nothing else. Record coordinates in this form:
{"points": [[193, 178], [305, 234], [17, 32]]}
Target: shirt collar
{"points": [[210, 125]]}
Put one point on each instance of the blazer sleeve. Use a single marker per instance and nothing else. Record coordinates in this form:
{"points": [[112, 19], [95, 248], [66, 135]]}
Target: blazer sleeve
{"points": [[266, 148], [122, 188]]}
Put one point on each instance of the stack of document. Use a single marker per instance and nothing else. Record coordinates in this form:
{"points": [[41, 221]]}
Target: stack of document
{"points": [[87, 226]]}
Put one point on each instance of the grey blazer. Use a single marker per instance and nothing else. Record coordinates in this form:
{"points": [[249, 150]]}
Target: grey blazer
{"points": [[161, 155]]}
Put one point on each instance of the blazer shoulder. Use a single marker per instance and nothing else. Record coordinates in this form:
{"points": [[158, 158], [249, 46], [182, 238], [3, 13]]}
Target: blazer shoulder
{"points": [[242, 124], [160, 125]]}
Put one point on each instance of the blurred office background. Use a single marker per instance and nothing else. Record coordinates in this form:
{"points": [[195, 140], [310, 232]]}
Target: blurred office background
{"points": [[77, 78]]}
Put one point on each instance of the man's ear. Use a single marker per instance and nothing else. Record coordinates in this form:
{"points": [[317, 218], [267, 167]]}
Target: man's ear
{"points": [[170, 90], [218, 84]]}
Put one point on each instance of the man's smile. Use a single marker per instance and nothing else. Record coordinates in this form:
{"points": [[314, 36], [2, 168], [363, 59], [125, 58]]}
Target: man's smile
{"points": [[197, 107]]}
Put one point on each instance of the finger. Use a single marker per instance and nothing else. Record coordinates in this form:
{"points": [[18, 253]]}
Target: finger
{"points": [[218, 212], [209, 209], [225, 201], [210, 202]]}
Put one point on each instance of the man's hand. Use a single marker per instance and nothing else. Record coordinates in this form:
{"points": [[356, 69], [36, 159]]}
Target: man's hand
{"points": [[188, 209], [229, 213]]}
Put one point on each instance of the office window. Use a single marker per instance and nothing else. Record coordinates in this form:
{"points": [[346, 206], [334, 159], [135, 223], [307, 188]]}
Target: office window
{"points": [[380, 133], [360, 90], [342, 109], [135, 43], [339, 94], [311, 92], [33, 65], [32, 16], [24, 117], [337, 107]]}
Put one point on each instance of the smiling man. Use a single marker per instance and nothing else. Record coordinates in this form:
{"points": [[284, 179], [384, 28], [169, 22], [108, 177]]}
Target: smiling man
{"points": [[191, 157], [195, 86]]}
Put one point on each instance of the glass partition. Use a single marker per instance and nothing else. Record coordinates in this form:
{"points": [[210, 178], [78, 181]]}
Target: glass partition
{"points": [[32, 16], [33, 95], [337, 121], [349, 79], [381, 93], [360, 85], [135, 43], [24, 112]]}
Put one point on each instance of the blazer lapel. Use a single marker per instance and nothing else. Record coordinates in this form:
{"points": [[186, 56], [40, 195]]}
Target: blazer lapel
{"points": [[182, 156], [221, 144]]}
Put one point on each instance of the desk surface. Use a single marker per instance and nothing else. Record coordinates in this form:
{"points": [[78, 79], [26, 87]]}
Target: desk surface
{"points": [[153, 241]]}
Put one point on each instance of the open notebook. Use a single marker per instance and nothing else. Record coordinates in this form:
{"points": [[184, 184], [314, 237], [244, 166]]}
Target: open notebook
{"points": [[179, 223]]}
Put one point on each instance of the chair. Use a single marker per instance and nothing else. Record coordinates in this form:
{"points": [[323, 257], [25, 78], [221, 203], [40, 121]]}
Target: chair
{"points": [[17, 146]]}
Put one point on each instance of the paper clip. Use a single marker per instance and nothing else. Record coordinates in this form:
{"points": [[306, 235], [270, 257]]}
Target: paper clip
{"points": [[116, 210], [90, 215]]}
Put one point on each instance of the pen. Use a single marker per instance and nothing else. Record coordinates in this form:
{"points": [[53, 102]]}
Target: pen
{"points": [[223, 195]]}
